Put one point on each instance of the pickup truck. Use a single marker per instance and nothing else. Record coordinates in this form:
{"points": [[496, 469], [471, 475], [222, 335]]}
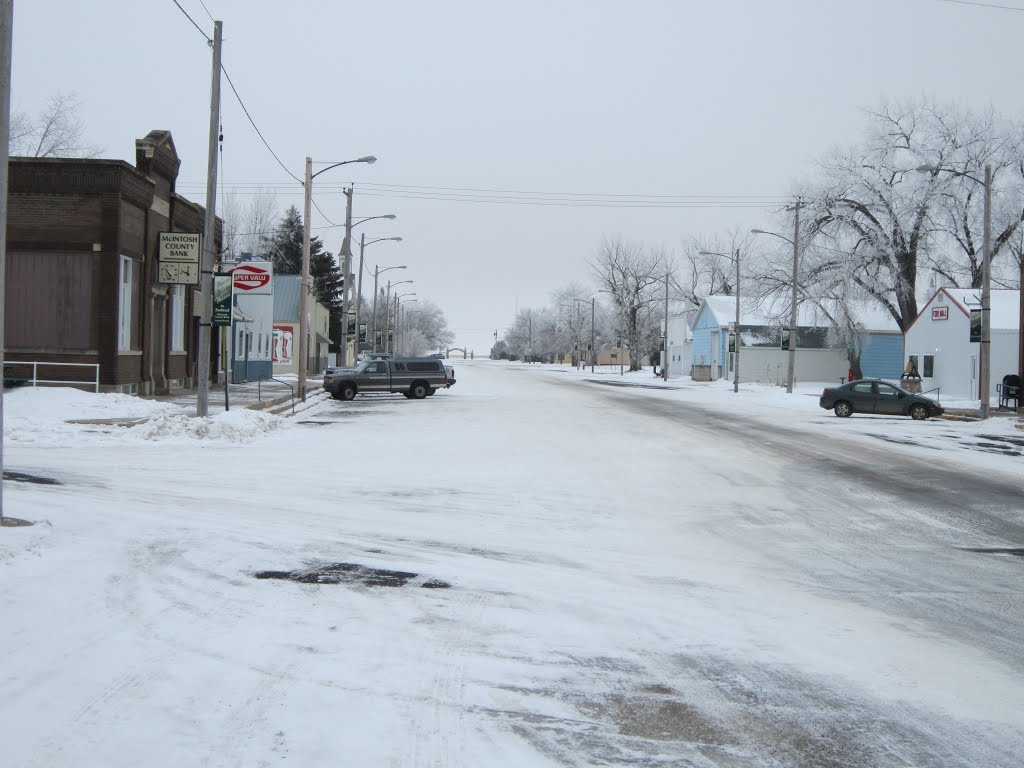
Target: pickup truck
{"points": [[414, 377]]}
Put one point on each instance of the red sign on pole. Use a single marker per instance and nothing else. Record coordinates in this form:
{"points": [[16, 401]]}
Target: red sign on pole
{"points": [[252, 277]]}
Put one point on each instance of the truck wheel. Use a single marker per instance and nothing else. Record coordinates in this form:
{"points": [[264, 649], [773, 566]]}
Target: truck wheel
{"points": [[431, 391], [418, 390], [347, 391]]}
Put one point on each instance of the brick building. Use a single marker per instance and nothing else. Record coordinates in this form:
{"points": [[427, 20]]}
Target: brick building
{"points": [[82, 241]]}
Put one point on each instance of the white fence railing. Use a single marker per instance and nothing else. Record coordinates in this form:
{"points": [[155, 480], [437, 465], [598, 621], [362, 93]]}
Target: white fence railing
{"points": [[35, 372]]}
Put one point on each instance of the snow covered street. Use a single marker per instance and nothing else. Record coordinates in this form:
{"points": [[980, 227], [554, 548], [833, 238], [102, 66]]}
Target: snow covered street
{"points": [[588, 575]]}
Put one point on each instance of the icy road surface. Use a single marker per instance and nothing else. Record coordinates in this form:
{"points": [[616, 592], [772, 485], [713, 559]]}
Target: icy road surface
{"points": [[529, 570]]}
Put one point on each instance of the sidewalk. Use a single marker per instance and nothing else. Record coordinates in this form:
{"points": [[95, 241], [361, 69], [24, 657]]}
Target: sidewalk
{"points": [[270, 395]]}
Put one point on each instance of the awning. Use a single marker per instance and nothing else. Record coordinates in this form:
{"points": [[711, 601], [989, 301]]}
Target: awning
{"points": [[240, 317], [321, 339]]}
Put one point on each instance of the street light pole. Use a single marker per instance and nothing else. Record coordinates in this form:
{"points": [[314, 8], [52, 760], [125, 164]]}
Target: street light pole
{"points": [[377, 271], [593, 337], [363, 242], [387, 314], [791, 374], [346, 269], [985, 349], [304, 281], [664, 358], [736, 331], [986, 299], [736, 324]]}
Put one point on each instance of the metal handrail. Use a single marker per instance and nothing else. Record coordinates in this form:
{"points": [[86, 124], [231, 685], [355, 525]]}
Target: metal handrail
{"points": [[936, 389], [35, 371], [259, 389]]}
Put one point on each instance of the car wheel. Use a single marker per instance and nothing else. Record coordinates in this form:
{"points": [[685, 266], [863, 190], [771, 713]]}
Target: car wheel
{"points": [[431, 391], [918, 412], [842, 409], [418, 390], [348, 392]]}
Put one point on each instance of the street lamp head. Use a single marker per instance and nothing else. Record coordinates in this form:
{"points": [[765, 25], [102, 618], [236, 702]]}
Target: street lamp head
{"points": [[369, 160], [389, 216], [397, 240], [926, 168], [760, 232]]}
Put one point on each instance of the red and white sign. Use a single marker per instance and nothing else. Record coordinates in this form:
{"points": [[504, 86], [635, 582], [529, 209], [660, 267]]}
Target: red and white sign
{"points": [[253, 277], [940, 313]]}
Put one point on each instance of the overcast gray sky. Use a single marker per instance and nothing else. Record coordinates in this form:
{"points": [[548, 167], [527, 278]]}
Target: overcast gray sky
{"points": [[650, 98]]}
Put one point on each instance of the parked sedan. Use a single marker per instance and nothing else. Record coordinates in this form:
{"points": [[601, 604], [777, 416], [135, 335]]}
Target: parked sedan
{"points": [[873, 396]]}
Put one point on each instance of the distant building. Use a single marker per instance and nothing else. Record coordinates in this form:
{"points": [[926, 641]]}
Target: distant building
{"points": [[285, 353], [762, 356], [939, 341], [82, 284]]}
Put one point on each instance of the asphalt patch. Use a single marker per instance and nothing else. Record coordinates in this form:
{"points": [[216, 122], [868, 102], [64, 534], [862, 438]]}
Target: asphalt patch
{"points": [[24, 477], [353, 573], [628, 384], [1012, 551]]}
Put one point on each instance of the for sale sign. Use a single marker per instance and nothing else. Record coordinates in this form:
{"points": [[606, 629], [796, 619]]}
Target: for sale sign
{"points": [[253, 277]]}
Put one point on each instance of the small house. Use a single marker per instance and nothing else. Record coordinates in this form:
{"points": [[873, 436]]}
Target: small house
{"points": [[946, 348]]}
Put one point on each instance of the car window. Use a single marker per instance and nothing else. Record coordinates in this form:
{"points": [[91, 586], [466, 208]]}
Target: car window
{"points": [[864, 388], [885, 390]]}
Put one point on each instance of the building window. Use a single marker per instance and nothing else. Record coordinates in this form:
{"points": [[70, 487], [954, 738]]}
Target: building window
{"points": [[178, 318], [124, 317], [928, 370]]}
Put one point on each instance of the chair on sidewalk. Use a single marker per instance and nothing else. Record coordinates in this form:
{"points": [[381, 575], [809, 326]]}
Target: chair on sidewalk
{"points": [[1009, 391]]}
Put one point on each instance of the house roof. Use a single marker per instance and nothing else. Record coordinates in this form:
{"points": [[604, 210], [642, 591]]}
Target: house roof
{"points": [[723, 309], [1005, 304]]}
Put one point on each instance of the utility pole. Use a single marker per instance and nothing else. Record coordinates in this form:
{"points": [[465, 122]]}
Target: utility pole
{"points": [[736, 331], [986, 300], [6, 36], [359, 291], [593, 343], [664, 357], [791, 375], [346, 268], [304, 281], [209, 233]]}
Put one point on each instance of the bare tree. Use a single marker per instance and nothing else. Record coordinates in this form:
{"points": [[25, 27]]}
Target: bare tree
{"points": [[426, 328], [57, 131], [878, 210], [980, 141], [634, 276]]}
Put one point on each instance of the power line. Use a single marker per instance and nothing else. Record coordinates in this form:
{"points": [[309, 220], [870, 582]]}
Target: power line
{"points": [[207, 11], [566, 200], [253, 123], [205, 37], [983, 5]]}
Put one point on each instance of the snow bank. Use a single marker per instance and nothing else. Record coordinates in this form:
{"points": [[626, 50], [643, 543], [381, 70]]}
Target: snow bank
{"points": [[54, 415], [238, 426]]}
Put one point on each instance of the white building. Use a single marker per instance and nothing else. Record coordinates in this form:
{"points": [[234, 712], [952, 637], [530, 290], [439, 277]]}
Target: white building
{"points": [[680, 347], [940, 343]]}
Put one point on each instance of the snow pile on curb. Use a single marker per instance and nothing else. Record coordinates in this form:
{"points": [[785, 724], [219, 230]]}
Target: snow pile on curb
{"points": [[238, 426], [49, 404]]}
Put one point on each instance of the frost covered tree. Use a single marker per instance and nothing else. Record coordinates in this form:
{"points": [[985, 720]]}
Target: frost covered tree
{"points": [[56, 131], [426, 329], [886, 223], [634, 277]]}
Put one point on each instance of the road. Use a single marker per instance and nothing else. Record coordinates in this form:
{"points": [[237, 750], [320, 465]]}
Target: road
{"points": [[615, 580]]}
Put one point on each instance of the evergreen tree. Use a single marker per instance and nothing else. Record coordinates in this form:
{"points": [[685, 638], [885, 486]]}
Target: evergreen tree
{"points": [[284, 249]]}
